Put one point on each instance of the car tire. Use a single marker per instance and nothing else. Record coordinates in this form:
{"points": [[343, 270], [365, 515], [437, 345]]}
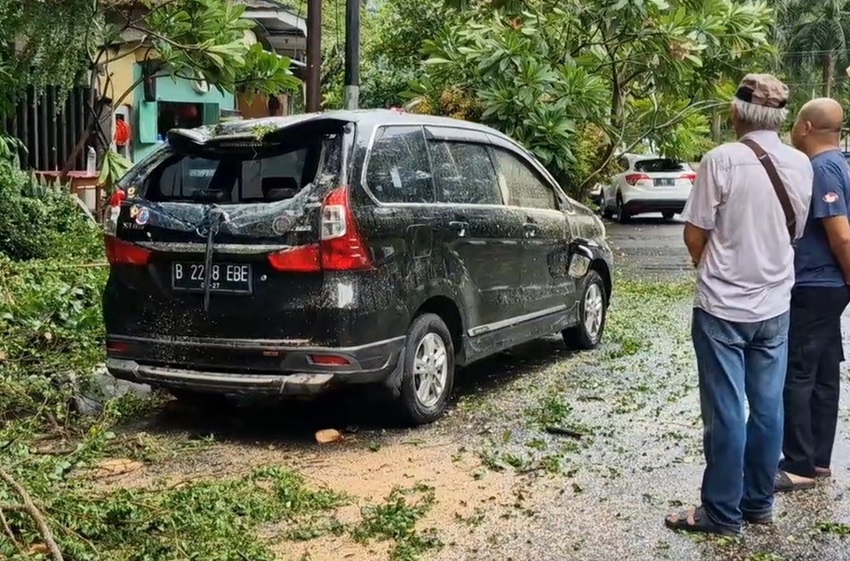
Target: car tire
{"points": [[587, 335], [607, 212], [668, 215], [623, 215], [427, 339]]}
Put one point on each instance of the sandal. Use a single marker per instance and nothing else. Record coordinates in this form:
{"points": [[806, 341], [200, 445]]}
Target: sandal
{"points": [[783, 483], [696, 520]]}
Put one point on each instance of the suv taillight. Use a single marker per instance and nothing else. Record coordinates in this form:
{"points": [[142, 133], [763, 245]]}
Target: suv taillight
{"points": [[340, 248], [113, 209], [119, 252], [633, 178]]}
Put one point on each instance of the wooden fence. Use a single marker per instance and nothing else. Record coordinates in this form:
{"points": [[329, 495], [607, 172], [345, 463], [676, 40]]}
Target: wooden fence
{"points": [[50, 127]]}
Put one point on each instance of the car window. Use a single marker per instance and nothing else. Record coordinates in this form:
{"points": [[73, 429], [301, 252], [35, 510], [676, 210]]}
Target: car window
{"points": [[464, 173], [264, 174], [398, 169], [524, 187], [660, 165]]}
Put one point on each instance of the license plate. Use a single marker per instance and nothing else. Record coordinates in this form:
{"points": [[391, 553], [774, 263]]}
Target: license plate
{"points": [[665, 182], [225, 277]]}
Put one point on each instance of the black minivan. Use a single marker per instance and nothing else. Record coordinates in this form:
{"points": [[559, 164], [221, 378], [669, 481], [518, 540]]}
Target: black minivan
{"points": [[295, 255]]}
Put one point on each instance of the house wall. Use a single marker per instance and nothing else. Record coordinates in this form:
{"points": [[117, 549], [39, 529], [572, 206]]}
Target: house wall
{"points": [[120, 68], [174, 90]]}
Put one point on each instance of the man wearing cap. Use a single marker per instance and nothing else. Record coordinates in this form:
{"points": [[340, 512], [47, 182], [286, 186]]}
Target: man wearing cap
{"points": [[819, 297], [748, 205]]}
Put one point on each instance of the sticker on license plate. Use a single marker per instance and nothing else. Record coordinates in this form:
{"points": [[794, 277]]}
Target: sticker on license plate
{"points": [[224, 277]]}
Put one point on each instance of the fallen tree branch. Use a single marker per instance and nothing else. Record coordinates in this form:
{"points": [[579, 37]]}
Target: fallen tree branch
{"points": [[34, 513], [8, 531], [561, 431]]}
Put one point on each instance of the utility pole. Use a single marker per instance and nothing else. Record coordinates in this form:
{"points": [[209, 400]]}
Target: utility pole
{"points": [[352, 54], [314, 56]]}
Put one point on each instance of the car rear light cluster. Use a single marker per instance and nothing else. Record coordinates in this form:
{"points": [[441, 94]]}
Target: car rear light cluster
{"points": [[119, 252], [690, 176], [633, 178], [340, 246]]}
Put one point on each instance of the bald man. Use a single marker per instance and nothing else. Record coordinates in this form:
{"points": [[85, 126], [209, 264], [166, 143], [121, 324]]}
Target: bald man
{"points": [[820, 294]]}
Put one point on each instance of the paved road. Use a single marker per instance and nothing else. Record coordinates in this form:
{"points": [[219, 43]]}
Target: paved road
{"points": [[649, 247], [508, 490]]}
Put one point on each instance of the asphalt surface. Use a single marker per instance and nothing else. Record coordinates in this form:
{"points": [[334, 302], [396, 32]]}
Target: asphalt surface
{"points": [[537, 496]]}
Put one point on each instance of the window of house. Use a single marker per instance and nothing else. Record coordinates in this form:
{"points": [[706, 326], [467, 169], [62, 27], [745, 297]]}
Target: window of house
{"points": [[464, 173], [524, 186], [398, 169]]}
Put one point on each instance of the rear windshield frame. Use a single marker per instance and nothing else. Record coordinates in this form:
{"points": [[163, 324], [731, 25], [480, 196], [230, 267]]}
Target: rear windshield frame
{"points": [[666, 165]]}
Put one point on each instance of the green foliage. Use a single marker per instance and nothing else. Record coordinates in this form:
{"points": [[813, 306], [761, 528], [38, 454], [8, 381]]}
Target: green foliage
{"points": [[639, 73], [113, 168], [396, 520], [50, 50], [205, 39], [50, 315], [39, 221]]}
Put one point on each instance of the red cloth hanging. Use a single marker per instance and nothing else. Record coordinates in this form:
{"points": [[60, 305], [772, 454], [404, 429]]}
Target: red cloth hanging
{"points": [[122, 132]]}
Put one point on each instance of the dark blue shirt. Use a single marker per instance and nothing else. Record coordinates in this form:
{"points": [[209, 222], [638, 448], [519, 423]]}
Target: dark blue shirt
{"points": [[813, 260]]}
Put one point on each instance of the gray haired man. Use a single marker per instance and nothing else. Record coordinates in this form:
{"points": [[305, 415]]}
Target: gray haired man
{"points": [[748, 205]]}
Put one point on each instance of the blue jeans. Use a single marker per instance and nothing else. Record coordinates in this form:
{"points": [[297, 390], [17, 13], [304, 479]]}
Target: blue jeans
{"points": [[740, 363]]}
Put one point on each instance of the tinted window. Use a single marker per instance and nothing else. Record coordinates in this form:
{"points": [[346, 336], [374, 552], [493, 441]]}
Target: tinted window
{"points": [[398, 169], [264, 174], [464, 173], [524, 187], [660, 165]]}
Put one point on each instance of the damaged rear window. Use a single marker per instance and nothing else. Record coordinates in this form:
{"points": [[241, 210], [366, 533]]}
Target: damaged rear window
{"points": [[242, 174]]}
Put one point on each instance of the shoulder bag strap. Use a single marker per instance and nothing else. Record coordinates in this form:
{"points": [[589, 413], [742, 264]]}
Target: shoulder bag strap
{"points": [[778, 186]]}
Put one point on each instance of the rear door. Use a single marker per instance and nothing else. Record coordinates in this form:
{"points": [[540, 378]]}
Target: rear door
{"points": [[483, 237], [546, 286], [211, 213]]}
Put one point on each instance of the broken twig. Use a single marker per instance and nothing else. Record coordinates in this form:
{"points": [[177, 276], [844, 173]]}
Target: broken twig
{"points": [[560, 431], [30, 508]]}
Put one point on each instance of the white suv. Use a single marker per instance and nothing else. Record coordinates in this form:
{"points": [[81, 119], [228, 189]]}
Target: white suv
{"points": [[648, 184]]}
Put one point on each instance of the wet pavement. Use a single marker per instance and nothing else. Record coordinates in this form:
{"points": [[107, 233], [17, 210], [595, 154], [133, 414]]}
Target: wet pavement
{"points": [[509, 489]]}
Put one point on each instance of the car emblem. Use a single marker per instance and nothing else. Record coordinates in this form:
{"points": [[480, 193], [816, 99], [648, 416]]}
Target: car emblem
{"points": [[830, 198], [143, 216], [282, 224]]}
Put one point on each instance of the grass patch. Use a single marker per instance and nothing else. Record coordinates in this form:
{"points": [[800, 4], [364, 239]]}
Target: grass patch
{"points": [[396, 520]]}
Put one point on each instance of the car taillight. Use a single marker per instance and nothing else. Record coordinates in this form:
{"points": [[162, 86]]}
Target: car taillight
{"points": [[633, 178], [119, 252], [113, 209], [340, 248], [690, 176]]}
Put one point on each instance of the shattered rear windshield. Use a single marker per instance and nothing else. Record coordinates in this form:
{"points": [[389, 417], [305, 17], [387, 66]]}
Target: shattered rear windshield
{"points": [[660, 165], [241, 175]]}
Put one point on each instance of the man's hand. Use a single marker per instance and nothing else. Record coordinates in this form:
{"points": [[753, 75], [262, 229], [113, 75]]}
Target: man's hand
{"points": [[695, 240], [838, 233]]}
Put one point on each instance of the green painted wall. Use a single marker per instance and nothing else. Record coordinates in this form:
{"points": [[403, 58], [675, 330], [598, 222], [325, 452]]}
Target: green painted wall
{"points": [[175, 90]]}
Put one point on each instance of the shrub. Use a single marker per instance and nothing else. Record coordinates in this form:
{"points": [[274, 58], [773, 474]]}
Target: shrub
{"points": [[50, 317], [40, 222]]}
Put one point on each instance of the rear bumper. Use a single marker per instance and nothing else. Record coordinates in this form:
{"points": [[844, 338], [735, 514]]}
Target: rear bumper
{"points": [[248, 366], [638, 206]]}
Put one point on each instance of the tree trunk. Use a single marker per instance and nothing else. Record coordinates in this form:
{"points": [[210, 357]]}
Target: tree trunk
{"points": [[828, 69], [717, 127]]}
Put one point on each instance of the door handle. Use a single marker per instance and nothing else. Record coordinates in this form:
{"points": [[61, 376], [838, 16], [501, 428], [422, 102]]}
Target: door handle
{"points": [[460, 227], [530, 229]]}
